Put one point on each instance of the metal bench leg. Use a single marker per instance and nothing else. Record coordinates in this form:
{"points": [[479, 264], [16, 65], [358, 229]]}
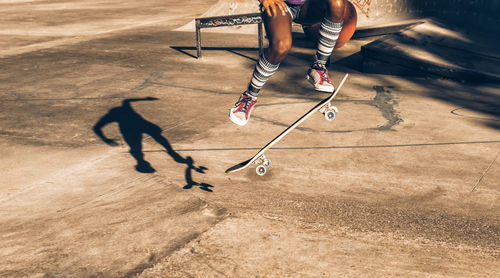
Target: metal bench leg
{"points": [[198, 40]]}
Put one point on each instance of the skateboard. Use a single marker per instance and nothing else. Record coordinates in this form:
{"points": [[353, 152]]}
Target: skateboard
{"points": [[264, 163]]}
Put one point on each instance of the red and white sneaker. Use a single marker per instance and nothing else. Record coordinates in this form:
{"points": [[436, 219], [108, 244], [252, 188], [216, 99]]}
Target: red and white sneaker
{"points": [[240, 113], [318, 76]]}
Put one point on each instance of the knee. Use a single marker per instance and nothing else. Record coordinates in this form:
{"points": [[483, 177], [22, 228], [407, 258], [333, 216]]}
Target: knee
{"points": [[279, 49], [337, 10], [337, 4]]}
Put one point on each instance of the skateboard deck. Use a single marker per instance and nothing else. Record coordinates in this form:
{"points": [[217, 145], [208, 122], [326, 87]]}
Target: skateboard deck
{"points": [[265, 163]]}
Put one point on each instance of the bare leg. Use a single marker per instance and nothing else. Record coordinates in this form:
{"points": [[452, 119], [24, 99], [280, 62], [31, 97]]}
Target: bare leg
{"points": [[279, 33], [313, 11], [335, 11], [331, 15]]}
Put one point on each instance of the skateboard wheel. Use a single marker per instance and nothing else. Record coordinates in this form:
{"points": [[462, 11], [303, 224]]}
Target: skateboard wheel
{"points": [[267, 163], [330, 115], [261, 170]]}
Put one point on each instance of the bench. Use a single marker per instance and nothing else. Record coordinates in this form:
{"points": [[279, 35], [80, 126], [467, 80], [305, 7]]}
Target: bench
{"points": [[227, 20]]}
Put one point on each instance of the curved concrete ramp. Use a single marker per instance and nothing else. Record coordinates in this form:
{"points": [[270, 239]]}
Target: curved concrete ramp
{"points": [[434, 49], [481, 13], [369, 13]]}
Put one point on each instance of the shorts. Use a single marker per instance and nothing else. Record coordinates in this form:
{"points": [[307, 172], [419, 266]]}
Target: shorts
{"points": [[294, 11]]}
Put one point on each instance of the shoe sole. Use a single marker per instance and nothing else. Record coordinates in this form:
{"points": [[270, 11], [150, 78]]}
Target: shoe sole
{"points": [[236, 120]]}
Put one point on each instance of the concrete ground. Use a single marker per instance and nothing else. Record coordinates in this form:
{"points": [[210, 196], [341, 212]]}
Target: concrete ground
{"points": [[403, 184]]}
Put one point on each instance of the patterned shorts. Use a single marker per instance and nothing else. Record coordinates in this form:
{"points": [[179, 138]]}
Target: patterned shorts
{"points": [[294, 11]]}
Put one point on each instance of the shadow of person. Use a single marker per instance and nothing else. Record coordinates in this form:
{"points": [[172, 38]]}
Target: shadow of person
{"points": [[132, 127]]}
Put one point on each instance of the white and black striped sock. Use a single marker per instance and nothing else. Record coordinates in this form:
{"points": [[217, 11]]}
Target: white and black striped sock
{"points": [[328, 35], [263, 70]]}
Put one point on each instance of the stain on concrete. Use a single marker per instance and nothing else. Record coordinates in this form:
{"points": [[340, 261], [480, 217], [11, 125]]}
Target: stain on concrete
{"points": [[386, 103]]}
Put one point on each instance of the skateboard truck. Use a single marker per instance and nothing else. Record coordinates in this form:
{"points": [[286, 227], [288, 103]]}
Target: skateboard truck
{"points": [[264, 164], [329, 111]]}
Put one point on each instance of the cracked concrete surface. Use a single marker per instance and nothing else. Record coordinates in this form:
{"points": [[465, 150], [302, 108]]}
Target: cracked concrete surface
{"points": [[384, 190]]}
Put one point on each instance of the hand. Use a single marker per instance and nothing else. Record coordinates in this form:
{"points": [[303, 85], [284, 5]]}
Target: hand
{"points": [[272, 7]]}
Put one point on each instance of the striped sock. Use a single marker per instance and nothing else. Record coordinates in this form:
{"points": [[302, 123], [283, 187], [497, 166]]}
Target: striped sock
{"points": [[328, 35], [263, 70]]}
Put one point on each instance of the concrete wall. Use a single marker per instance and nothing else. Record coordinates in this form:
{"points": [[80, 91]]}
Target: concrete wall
{"points": [[483, 13]]}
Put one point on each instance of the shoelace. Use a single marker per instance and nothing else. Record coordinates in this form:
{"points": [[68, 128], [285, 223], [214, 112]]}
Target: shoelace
{"points": [[246, 100], [323, 70]]}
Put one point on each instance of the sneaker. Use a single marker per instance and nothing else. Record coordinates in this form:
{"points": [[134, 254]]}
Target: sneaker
{"points": [[240, 113], [318, 76]]}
